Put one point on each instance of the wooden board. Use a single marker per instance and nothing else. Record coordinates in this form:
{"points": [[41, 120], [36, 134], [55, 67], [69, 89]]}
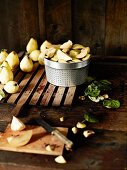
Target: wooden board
{"points": [[38, 142]]}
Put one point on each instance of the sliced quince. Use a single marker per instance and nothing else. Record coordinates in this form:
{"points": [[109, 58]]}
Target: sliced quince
{"points": [[17, 124], [63, 56], [20, 139]]}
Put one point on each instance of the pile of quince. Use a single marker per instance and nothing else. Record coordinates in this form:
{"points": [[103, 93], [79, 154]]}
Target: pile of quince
{"points": [[62, 53], [10, 62]]}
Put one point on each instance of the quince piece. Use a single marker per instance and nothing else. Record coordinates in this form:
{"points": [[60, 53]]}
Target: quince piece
{"points": [[17, 124], [63, 56], [20, 139], [77, 46]]}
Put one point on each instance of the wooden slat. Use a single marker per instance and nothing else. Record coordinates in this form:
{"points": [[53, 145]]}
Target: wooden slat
{"points": [[58, 96], [47, 96], [26, 94], [19, 76], [22, 84], [38, 91], [70, 96]]}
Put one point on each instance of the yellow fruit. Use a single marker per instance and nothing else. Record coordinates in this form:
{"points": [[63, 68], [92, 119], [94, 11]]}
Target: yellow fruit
{"points": [[55, 58], [20, 139], [13, 60], [80, 125], [41, 58], [66, 45], [77, 46], [5, 64], [63, 56], [3, 55], [50, 52], [11, 87], [60, 159], [74, 53], [26, 64], [34, 55], [6, 75], [32, 45], [45, 45], [17, 124]]}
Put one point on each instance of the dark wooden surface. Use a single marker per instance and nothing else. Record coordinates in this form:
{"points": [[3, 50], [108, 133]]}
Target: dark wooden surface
{"points": [[102, 25], [89, 24], [106, 150], [115, 42]]}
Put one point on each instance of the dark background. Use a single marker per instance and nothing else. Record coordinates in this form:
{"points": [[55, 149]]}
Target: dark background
{"points": [[100, 24]]}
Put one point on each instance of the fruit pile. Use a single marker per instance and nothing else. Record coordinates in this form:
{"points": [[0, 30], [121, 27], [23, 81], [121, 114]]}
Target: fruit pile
{"points": [[8, 63], [62, 53]]}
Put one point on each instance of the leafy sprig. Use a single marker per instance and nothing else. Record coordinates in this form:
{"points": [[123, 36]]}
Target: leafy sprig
{"points": [[96, 88]]}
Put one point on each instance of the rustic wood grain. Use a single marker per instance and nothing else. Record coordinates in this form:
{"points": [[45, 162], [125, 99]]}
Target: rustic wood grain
{"points": [[94, 23], [30, 88], [70, 96], [19, 22], [104, 150], [116, 27], [41, 20], [39, 91], [58, 97], [38, 142], [47, 95], [88, 23], [58, 20]]}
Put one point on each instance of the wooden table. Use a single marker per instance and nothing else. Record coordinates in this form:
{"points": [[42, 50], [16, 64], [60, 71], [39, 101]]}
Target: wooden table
{"points": [[105, 150]]}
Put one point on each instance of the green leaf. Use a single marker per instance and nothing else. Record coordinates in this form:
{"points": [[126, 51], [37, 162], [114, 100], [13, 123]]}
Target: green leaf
{"points": [[90, 118], [96, 87], [103, 84], [92, 90], [111, 103]]}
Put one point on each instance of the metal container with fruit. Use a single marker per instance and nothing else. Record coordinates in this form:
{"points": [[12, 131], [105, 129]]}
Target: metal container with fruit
{"points": [[67, 64]]}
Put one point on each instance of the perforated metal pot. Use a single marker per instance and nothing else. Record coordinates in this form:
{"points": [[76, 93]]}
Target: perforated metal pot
{"points": [[66, 74]]}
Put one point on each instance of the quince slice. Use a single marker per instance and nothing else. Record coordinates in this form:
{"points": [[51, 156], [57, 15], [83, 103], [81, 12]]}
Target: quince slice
{"points": [[20, 139], [17, 124]]}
